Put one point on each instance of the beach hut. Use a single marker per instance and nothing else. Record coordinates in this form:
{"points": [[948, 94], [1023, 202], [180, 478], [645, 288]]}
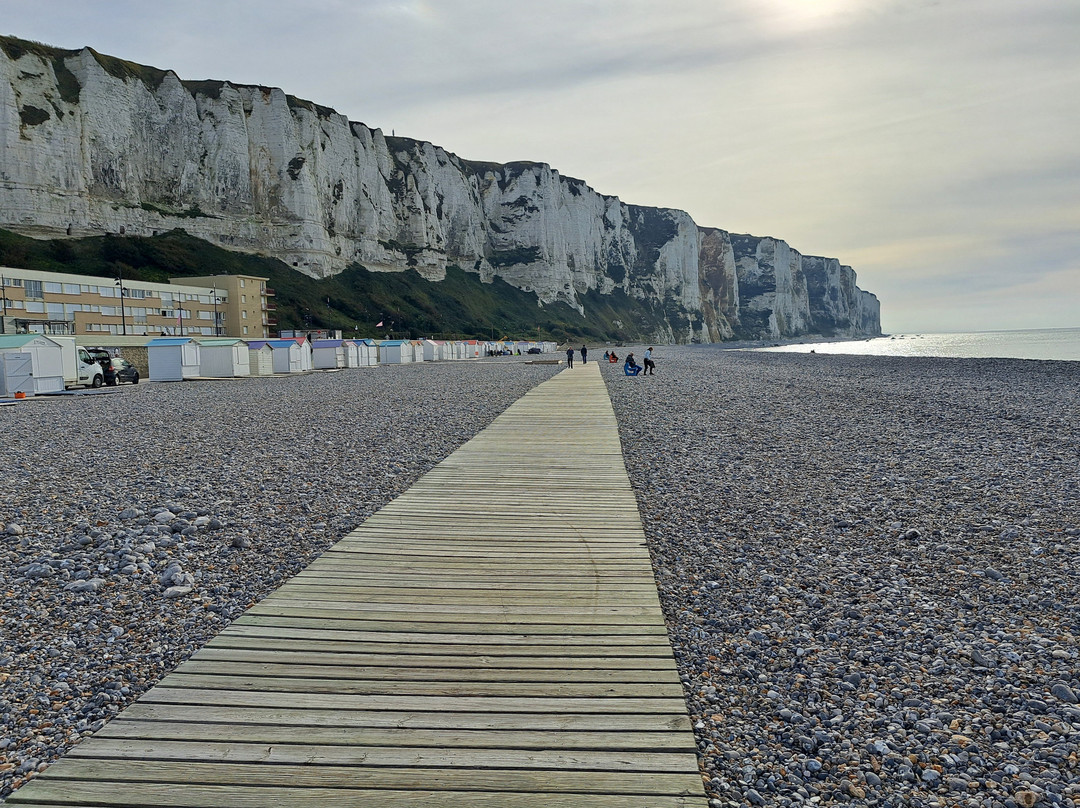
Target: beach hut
{"points": [[223, 358], [417, 349], [395, 352], [260, 358], [288, 355], [306, 355], [173, 359], [473, 347], [432, 351], [350, 352], [329, 353], [31, 364], [367, 352]]}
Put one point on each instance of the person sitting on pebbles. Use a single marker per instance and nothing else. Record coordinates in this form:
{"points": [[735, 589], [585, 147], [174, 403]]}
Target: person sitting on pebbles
{"points": [[630, 367]]}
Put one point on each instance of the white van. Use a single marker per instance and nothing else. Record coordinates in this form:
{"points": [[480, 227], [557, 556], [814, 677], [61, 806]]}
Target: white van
{"points": [[79, 368]]}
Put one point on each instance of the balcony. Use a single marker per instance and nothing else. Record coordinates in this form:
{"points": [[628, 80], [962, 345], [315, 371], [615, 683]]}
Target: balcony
{"points": [[272, 321], [267, 306], [269, 292]]}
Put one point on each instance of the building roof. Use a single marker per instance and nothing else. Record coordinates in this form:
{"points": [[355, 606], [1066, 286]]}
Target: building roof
{"points": [[19, 340], [326, 343], [216, 342], [159, 341]]}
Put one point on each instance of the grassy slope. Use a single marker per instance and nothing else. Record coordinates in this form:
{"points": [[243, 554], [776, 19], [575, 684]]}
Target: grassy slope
{"points": [[459, 306]]}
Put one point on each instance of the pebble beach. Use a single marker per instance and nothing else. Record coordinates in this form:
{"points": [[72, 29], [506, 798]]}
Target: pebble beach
{"points": [[868, 565], [134, 526], [870, 570]]}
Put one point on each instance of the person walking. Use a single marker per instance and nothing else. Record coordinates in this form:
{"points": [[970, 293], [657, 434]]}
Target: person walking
{"points": [[569, 357], [584, 354], [650, 366]]}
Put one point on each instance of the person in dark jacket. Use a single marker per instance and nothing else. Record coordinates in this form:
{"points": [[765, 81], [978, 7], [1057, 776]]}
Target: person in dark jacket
{"points": [[584, 354], [569, 357]]}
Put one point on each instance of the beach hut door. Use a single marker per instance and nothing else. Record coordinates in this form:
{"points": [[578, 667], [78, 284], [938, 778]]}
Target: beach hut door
{"points": [[18, 373]]}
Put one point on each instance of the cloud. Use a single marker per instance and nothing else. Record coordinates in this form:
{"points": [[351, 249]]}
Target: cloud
{"points": [[913, 139]]}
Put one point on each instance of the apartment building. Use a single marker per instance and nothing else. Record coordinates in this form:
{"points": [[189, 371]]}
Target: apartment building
{"points": [[251, 312], [32, 301]]}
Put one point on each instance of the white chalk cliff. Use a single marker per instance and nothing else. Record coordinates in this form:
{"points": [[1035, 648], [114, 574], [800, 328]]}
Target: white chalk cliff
{"points": [[92, 144]]}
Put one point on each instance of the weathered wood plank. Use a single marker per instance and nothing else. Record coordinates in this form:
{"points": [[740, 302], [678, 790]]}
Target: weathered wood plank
{"points": [[94, 794]]}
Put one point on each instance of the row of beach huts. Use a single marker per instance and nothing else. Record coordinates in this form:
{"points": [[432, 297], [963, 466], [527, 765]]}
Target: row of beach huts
{"points": [[40, 357], [177, 358]]}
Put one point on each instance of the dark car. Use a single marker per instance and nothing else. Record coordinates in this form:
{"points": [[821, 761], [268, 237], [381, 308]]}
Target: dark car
{"points": [[123, 371], [535, 350]]}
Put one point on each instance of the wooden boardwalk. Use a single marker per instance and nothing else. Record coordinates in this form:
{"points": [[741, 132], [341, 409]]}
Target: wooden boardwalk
{"points": [[491, 638]]}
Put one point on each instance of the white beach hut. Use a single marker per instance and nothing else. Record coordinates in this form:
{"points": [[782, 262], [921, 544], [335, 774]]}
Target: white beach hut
{"points": [[395, 352], [260, 358], [433, 351], [368, 352], [31, 364], [288, 355], [327, 354], [224, 358], [350, 352], [173, 359]]}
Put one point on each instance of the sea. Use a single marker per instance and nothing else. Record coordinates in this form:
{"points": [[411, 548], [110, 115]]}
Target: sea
{"points": [[1038, 343]]}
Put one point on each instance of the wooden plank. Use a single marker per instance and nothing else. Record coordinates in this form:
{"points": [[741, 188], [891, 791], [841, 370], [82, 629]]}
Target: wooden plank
{"points": [[353, 777], [335, 735], [94, 794]]}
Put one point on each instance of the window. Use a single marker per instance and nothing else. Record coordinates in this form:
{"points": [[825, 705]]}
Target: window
{"points": [[55, 310], [205, 315], [71, 308], [107, 291], [35, 307], [245, 329], [244, 314], [54, 288], [204, 298], [166, 299], [241, 283], [138, 294], [110, 311], [33, 289], [13, 282], [71, 289]]}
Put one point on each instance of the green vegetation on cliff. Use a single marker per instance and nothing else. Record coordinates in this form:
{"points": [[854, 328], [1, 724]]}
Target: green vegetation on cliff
{"points": [[354, 300]]}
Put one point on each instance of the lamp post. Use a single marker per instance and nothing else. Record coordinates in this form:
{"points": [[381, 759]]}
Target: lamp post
{"points": [[123, 317]]}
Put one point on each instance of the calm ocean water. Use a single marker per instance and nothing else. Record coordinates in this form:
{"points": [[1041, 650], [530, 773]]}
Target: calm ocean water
{"points": [[1045, 343]]}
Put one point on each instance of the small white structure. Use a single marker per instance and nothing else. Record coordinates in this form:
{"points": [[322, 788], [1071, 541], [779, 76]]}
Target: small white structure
{"points": [[173, 359], [329, 353], [351, 352], [306, 357], [395, 352], [223, 358], [31, 364], [260, 358], [473, 348], [368, 351], [288, 355]]}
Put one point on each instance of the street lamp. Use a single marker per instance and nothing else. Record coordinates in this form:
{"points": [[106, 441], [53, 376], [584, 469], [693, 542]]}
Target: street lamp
{"points": [[123, 317]]}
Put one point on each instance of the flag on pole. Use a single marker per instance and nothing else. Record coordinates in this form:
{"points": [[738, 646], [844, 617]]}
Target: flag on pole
{"points": [[379, 324]]}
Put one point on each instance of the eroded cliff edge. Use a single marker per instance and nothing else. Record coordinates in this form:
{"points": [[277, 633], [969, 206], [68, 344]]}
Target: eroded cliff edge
{"points": [[94, 144]]}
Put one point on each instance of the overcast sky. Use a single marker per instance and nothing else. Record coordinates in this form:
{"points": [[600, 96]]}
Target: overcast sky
{"points": [[933, 145]]}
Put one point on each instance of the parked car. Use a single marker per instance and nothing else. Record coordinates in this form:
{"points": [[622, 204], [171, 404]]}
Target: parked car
{"points": [[123, 371], [534, 350], [103, 358]]}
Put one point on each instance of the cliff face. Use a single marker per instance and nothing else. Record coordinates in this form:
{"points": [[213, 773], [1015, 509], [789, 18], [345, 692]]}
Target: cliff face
{"points": [[93, 144]]}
